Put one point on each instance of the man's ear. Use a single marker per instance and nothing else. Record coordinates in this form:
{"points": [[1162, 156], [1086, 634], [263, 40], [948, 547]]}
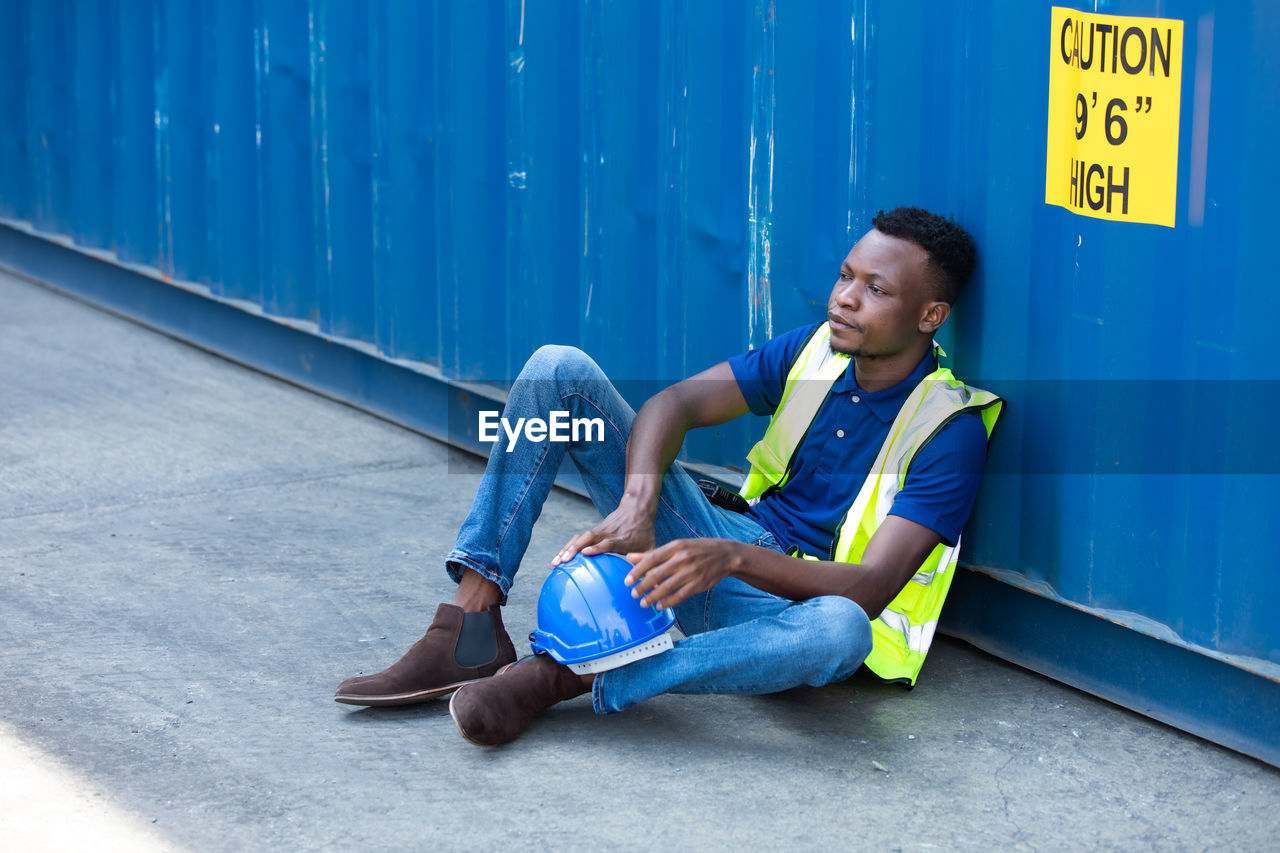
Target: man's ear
{"points": [[933, 316]]}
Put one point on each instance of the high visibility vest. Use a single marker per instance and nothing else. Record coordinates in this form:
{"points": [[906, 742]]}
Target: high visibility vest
{"points": [[902, 633]]}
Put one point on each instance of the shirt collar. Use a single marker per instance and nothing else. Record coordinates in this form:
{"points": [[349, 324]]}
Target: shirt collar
{"points": [[886, 403]]}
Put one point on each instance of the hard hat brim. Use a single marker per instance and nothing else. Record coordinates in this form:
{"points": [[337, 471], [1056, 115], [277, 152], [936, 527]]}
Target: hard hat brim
{"points": [[648, 649]]}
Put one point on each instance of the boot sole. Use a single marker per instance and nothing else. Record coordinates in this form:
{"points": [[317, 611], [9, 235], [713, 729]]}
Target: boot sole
{"points": [[387, 700]]}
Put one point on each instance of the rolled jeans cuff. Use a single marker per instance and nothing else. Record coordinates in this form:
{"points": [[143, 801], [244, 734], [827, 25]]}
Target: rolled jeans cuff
{"points": [[597, 696], [457, 563]]}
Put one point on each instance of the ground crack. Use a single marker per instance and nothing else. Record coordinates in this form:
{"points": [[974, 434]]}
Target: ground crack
{"points": [[1005, 798]]}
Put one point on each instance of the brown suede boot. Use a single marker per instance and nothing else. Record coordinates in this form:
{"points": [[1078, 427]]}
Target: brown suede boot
{"points": [[496, 710], [458, 647]]}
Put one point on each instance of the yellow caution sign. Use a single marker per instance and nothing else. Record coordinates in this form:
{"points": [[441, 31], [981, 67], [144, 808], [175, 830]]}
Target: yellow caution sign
{"points": [[1115, 90]]}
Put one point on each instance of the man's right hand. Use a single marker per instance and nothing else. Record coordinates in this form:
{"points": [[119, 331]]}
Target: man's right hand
{"points": [[710, 398], [627, 529]]}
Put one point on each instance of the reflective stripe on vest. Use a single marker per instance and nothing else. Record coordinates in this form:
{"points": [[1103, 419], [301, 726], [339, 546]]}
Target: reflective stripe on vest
{"points": [[901, 635], [818, 366]]}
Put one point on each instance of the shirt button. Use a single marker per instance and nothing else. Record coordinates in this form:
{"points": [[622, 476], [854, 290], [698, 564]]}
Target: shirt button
{"points": [[839, 433], [856, 398]]}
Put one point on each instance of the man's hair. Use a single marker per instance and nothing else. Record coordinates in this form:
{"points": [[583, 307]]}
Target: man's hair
{"points": [[951, 250]]}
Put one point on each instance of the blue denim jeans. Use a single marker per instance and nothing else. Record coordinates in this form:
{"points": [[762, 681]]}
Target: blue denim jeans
{"points": [[739, 639]]}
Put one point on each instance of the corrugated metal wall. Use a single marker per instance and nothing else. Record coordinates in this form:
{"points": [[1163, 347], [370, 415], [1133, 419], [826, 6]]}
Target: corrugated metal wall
{"points": [[666, 183]]}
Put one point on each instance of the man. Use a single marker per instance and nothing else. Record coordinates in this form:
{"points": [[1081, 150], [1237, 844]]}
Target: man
{"points": [[864, 479]]}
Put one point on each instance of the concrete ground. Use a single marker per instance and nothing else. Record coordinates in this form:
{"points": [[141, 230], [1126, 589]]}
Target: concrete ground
{"points": [[193, 555]]}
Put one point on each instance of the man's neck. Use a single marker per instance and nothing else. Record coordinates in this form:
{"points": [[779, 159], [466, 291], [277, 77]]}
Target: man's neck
{"points": [[877, 374]]}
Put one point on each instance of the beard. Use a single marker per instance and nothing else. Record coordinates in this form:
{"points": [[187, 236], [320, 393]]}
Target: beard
{"points": [[855, 352]]}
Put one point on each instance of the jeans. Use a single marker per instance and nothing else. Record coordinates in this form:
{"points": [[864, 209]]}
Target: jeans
{"points": [[739, 639]]}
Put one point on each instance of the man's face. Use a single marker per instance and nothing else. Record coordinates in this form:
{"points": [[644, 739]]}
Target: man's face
{"points": [[879, 305]]}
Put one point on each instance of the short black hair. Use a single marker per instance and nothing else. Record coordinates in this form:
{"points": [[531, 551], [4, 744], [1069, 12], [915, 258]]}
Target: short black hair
{"points": [[951, 250]]}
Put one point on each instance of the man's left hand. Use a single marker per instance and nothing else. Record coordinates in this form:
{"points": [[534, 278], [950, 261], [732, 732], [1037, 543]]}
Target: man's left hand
{"points": [[668, 575]]}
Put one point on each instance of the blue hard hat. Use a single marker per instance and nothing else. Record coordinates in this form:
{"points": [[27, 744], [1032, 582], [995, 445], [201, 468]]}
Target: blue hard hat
{"points": [[588, 621]]}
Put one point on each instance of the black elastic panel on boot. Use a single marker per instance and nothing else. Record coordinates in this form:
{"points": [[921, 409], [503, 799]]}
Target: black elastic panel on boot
{"points": [[477, 643]]}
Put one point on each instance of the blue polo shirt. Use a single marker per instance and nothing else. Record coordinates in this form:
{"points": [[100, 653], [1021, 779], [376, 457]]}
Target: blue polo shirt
{"points": [[841, 445]]}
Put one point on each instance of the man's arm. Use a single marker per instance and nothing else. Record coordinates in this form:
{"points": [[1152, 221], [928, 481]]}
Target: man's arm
{"points": [[706, 399], [681, 568], [668, 575]]}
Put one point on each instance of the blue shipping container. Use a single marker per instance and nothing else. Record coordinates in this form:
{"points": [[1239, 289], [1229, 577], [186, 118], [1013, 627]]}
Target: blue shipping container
{"points": [[416, 195]]}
